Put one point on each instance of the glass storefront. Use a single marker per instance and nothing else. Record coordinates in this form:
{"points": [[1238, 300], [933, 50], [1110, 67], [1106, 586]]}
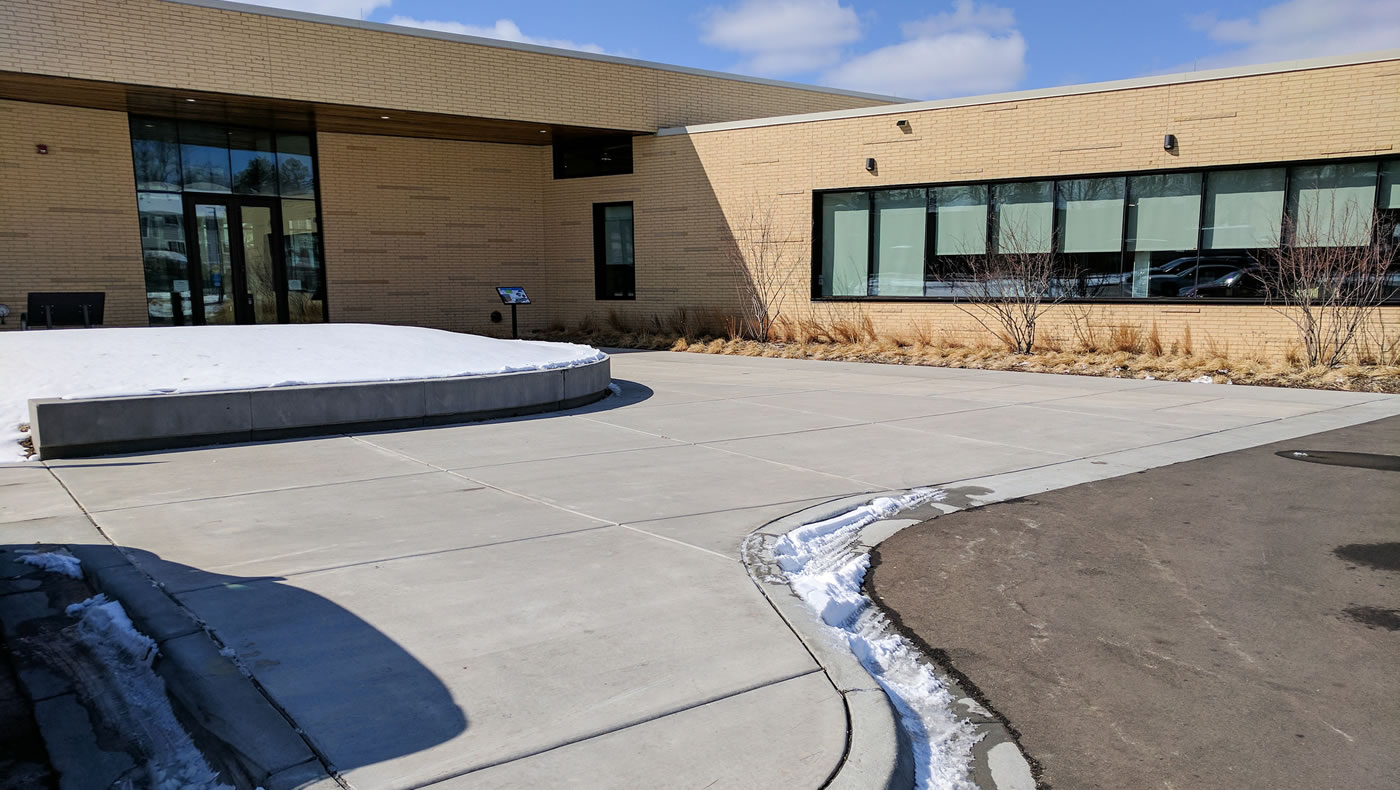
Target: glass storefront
{"points": [[229, 228], [1191, 234]]}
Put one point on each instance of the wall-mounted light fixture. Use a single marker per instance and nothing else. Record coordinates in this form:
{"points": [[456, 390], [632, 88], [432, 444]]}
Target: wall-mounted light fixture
{"points": [[903, 125], [383, 117], [1169, 143], [870, 165]]}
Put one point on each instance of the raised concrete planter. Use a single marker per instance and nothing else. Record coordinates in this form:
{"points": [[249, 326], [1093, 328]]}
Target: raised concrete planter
{"points": [[102, 426]]}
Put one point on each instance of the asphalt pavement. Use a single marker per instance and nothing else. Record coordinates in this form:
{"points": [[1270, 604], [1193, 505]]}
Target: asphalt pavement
{"points": [[1231, 622]]}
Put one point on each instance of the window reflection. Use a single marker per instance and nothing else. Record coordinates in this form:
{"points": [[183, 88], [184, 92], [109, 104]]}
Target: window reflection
{"points": [[204, 157], [254, 163], [164, 258], [294, 169], [155, 154], [306, 294]]}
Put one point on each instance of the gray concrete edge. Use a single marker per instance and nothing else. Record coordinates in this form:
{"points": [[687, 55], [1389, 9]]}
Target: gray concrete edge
{"points": [[83, 427], [878, 754], [232, 720]]}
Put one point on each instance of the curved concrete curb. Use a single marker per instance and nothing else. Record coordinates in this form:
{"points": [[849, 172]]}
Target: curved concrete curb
{"points": [[879, 754], [103, 426], [248, 739]]}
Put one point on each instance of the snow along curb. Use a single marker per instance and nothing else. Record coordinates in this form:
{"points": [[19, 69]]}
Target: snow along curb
{"points": [[880, 753], [229, 717]]}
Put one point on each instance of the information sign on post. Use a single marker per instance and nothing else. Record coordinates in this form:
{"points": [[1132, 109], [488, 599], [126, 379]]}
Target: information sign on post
{"points": [[514, 296]]}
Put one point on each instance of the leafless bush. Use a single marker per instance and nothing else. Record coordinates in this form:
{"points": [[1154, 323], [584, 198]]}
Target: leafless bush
{"points": [[759, 256], [1329, 279], [1008, 290]]}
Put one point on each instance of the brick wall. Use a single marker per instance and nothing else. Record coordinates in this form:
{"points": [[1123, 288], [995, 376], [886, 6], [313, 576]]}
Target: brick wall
{"points": [[696, 186], [155, 43], [422, 231], [68, 219]]}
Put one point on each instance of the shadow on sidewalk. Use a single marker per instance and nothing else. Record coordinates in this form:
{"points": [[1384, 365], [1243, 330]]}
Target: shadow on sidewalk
{"points": [[356, 694]]}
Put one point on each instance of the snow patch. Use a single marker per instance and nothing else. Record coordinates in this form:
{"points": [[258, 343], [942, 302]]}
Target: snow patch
{"points": [[171, 761], [614, 388], [156, 360], [55, 562], [824, 569], [1203, 380]]}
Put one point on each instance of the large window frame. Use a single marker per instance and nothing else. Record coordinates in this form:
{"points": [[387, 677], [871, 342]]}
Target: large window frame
{"points": [[1123, 251], [275, 134], [601, 281]]}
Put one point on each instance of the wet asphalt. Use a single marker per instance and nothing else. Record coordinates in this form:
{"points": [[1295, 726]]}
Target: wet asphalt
{"points": [[1231, 622]]}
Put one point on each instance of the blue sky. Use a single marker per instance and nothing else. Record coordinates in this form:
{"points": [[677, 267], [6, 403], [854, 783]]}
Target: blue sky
{"points": [[920, 50]]}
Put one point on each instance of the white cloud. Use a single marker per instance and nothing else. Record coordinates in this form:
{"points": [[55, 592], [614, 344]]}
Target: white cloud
{"points": [[975, 48], [355, 9], [1303, 29], [504, 30], [782, 37]]}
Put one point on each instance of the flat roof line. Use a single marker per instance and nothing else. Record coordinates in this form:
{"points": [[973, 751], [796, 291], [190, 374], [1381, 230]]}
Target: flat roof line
{"points": [[1042, 93], [303, 16]]}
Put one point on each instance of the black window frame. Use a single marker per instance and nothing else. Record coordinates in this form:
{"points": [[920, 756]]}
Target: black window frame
{"points": [[1055, 179], [600, 253]]}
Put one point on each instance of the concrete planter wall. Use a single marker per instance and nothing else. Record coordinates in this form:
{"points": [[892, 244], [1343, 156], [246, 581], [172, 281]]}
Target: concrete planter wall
{"points": [[102, 426]]}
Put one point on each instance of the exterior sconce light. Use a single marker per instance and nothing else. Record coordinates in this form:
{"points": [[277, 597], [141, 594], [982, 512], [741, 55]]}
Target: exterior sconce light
{"points": [[1169, 143], [903, 125], [870, 165]]}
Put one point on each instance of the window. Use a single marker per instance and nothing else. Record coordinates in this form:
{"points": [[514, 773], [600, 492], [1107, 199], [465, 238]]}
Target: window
{"points": [[614, 269], [1163, 224], [170, 158], [900, 219], [1331, 205], [582, 157], [1190, 234], [959, 218], [845, 244], [1089, 234], [1243, 209], [1024, 215]]}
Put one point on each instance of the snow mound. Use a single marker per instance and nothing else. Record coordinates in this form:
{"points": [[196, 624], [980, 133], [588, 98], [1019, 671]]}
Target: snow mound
{"points": [[92, 363], [136, 698], [826, 571], [55, 562]]}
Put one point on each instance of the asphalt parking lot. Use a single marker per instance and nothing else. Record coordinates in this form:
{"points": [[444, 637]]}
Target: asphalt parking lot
{"points": [[1229, 622]]}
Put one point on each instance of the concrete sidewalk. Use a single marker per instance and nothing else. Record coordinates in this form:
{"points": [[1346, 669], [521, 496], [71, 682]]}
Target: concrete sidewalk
{"points": [[558, 600]]}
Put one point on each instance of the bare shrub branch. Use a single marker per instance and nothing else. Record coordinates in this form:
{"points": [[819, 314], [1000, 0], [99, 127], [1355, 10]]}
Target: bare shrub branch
{"points": [[759, 254], [1329, 279], [1008, 290]]}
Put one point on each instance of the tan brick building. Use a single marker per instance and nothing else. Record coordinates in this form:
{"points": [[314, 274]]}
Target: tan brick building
{"points": [[201, 161]]}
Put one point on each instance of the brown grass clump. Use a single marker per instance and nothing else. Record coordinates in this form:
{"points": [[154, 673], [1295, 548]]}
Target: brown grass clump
{"points": [[1127, 352]]}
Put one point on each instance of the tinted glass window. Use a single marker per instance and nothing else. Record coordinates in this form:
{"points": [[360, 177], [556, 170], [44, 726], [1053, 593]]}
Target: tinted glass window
{"points": [[164, 257], [578, 157], [295, 170], [614, 269], [204, 157], [155, 154], [254, 164], [845, 244], [900, 219]]}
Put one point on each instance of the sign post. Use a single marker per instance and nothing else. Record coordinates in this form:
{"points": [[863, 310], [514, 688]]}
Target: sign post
{"points": [[514, 296]]}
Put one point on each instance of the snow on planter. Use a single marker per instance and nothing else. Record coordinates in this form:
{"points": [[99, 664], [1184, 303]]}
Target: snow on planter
{"points": [[91, 363], [823, 567]]}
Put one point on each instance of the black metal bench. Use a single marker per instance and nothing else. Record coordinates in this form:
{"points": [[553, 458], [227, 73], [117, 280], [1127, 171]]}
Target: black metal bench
{"points": [[64, 308]]}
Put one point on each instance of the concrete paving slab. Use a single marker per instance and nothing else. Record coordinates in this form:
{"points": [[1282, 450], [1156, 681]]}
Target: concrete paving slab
{"points": [[281, 533], [712, 746], [722, 531], [1249, 407], [630, 486], [885, 456], [713, 421], [28, 491], [1052, 432], [643, 627], [1037, 392], [153, 478], [512, 441], [52, 529], [865, 406]]}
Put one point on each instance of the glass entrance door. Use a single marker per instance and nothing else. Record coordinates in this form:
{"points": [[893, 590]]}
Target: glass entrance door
{"points": [[237, 251]]}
